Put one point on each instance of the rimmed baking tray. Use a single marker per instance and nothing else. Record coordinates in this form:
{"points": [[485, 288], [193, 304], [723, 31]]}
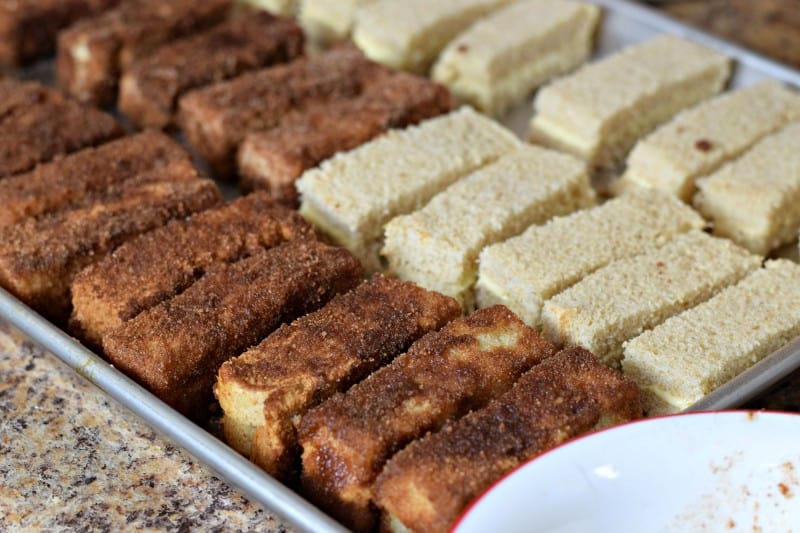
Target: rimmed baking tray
{"points": [[624, 23]]}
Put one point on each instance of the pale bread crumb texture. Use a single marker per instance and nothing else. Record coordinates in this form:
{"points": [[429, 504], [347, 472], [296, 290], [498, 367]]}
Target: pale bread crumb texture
{"points": [[352, 195], [502, 58], [329, 21], [410, 34], [524, 271], [755, 200], [602, 109], [286, 8], [629, 296], [699, 140], [693, 353], [438, 245]]}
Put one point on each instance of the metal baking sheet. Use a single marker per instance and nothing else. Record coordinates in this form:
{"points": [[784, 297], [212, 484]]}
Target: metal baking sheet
{"points": [[624, 23]]}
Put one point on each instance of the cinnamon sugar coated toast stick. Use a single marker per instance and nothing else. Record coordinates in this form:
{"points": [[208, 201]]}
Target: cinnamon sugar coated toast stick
{"points": [[426, 486], [40, 257], [216, 119], [157, 265], [37, 124], [150, 88], [95, 51], [28, 28], [300, 365], [176, 348], [274, 159], [79, 177], [348, 438]]}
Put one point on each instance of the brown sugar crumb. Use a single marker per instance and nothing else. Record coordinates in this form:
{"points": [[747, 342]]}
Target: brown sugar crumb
{"points": [[463, 48], [703, 145]]}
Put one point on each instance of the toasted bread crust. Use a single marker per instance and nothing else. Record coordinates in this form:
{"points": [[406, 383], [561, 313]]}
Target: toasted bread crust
{"points": [[428, 484], [37, 124], [348, 438], [217, 118], [28, 28], [40, 257], [80, 178], [325, 352], [156, 266], [150, 88], [176, 348], [93, 52]]}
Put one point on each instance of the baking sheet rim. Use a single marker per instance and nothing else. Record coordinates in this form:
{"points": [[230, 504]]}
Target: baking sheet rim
{"points": [[273, 495]]}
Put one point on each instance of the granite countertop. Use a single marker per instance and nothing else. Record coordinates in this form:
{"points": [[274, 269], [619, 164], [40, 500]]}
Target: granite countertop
{"points": [[70, 458]]}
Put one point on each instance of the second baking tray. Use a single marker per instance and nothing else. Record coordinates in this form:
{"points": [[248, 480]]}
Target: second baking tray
{"points": [[624, 23]]}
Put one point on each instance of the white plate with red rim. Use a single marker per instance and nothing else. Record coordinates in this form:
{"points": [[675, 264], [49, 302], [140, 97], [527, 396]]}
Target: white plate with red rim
{"points": [[714, 471]]}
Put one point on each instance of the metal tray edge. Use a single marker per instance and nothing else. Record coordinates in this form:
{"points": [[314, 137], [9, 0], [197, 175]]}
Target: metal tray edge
{"points": [[270, 493]]}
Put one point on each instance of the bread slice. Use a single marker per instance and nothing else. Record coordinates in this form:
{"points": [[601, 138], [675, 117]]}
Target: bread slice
{"points": [[755, 200], [524, 271], [286, 8], [409, 35], [40, 257], [503, 57], [79, 178], [176, 348], [619, 301], [156, 266], [691, 354], [329, 21], [427, 485], [438, 245], [301, 365], [352, 195], [276, 158], [700, 140], [444, 375], [600, 111]]}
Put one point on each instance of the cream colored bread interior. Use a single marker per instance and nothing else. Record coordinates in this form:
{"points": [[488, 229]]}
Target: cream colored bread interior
{"points": [[352, 195], [329, 21], [691, 354], [628, 296], [601, 110], [286, 8], [502, 58], [524, 271], [437, 246], [755, 200], [410, 34], [698, 141]]}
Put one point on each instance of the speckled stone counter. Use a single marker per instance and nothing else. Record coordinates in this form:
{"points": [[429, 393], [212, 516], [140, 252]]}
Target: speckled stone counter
{"points": [[71, 459]]}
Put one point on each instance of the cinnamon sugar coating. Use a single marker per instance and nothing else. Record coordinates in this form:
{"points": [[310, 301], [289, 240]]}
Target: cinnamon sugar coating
{"points": [[175, 348], [160, 264], [40, 257], [444, 375], [38, 124], [428, 484]]}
